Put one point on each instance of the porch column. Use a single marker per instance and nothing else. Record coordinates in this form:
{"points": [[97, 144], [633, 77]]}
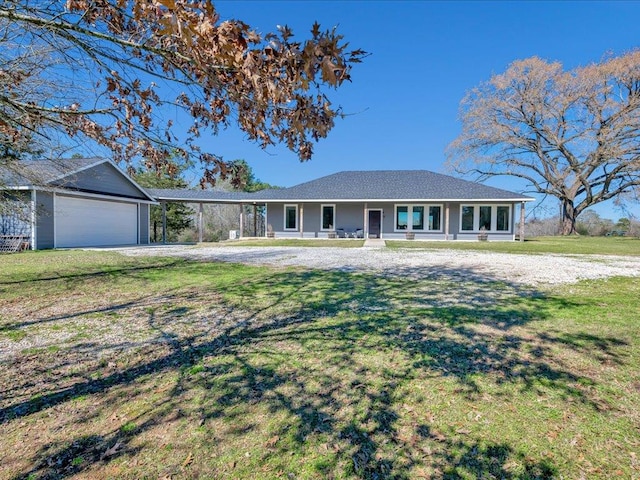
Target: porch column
{"points": [[366, 221], [164, 222], [255, 220], [33, 220], [241, 220], [200, 223], [446, 221], [521, 233], [265, 220], [302, 220]]}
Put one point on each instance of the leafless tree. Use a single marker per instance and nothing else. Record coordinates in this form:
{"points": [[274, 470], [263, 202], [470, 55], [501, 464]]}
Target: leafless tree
{"points": [[591, 223], [574, 135], [109, 71]]}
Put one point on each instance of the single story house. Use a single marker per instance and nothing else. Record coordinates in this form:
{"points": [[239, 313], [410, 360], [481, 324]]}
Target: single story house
{"points": [[92, 202], [78, 202], [393, 204]]}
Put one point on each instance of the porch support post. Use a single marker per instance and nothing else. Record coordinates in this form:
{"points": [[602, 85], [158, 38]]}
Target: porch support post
{"points": [[302, 220], [255, 220], [366, 220], [265, 219], [200, 211], [33, 220], [521, 233], [241, 220], [446, 221], [164, 222]]}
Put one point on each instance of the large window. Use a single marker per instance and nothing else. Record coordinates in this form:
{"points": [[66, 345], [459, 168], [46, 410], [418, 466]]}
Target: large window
{"points": [[290, 217], [493, 218], [467, 217], [485, 218], [502, 218], [402, 217], [328, 217], [414, 218], [418, 218], [435, 213]]}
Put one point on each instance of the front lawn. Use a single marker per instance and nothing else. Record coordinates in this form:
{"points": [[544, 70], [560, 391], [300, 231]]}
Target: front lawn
{"points": [[561, 245], [116, 367]]}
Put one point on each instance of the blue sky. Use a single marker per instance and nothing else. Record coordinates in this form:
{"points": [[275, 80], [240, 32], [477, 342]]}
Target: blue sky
{"points": [[424, 56]]}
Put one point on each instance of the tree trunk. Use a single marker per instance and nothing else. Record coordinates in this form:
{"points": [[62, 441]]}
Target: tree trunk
{"points": [[569, 215]]}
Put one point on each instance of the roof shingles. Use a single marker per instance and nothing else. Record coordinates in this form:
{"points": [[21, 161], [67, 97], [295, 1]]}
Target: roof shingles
{"points": [[389, 185]]}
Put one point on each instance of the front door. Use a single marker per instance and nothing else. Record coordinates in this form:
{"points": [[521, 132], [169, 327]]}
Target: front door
{"points": [[374, 223]]}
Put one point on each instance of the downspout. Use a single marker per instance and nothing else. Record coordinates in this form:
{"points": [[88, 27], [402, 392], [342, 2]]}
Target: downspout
{"points": [[241, 220]]}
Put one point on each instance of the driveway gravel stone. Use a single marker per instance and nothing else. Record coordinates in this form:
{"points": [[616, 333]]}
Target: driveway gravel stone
{"points": [[415, 263]]}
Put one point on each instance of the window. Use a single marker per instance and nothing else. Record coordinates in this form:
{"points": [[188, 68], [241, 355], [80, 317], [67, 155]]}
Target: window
{"points": [[328, 217], [485, 218], [502, 218], [290, 217], [494, 218], [414, 217], [418, 218], [402, 217], [467, 215], [434, 217]]}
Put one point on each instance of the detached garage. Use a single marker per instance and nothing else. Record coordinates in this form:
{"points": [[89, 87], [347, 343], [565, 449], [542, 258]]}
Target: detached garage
{"points": [[84, 222], [78, 203]]}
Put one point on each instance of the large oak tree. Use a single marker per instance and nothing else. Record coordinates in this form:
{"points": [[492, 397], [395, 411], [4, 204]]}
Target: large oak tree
{"points": [[574, 135], [144, 78]]}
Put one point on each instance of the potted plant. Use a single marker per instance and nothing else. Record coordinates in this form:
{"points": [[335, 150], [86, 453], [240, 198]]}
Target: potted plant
{"points": [[483, 235], [270, 232]]}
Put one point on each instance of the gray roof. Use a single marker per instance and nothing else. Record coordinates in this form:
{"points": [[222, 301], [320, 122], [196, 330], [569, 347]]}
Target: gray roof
{"points": [[184, 195], [47, 173], [33, 173], [366, 185], [402, 185], [351, 186]]}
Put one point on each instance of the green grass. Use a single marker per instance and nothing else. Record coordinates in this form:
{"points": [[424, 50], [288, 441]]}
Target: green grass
{"points": [[228, 371], [538, 245]]}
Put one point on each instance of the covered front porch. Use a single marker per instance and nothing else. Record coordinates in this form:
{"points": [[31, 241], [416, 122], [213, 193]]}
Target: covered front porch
{"points": [[397, 221]]}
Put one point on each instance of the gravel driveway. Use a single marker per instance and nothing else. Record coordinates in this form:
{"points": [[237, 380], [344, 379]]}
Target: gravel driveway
{"points": [[436, 264]]}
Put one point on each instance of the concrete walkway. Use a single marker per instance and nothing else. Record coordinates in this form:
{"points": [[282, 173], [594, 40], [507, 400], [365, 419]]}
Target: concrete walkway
{"points": [[374, 243]]}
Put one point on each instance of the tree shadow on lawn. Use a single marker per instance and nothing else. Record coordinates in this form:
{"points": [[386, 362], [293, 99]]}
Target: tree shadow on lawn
{"points": [[332, 356], [86, 272]]}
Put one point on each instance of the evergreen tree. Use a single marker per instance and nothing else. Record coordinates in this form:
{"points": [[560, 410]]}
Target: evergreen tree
{"points": [[179, 215]]}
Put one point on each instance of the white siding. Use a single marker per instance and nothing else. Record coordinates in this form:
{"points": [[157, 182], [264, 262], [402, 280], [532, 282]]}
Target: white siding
{"points": [[83, 222]]}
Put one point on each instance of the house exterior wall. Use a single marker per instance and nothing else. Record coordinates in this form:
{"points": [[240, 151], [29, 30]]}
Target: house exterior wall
{"points": [[45, 232], [350, 216], [143, 219], [45, 221], [104, 179]]}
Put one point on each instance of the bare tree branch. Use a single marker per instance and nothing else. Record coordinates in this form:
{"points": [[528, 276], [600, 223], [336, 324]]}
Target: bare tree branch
{"points": [[106, 71], [571, 134]]}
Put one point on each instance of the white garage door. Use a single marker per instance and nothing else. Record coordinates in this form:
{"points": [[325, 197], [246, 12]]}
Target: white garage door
{"points": [[80, 222]]}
